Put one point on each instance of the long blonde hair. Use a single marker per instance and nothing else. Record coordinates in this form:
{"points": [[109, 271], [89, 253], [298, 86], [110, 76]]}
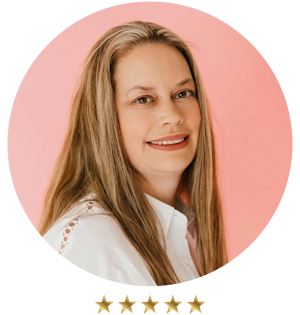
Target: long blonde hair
{"points": [[93, 159]]}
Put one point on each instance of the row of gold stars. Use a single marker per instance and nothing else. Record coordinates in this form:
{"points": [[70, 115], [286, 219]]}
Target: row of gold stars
{"points": [[149, 305]]}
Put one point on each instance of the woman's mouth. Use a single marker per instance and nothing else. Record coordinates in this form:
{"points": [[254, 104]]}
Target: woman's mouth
{"points": [[170, 144]]}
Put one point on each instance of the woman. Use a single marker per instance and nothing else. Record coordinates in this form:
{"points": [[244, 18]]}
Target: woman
{"points": [[139, 138]]}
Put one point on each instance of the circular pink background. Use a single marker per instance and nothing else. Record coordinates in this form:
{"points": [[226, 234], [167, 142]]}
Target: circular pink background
{"points": [[250, 115]]}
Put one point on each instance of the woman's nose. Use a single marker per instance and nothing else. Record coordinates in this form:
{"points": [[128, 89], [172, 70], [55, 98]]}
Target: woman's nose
{"points": [[170, 113]]}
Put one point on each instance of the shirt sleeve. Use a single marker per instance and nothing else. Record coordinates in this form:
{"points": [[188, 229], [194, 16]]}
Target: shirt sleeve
{"points": [[97, 244]]}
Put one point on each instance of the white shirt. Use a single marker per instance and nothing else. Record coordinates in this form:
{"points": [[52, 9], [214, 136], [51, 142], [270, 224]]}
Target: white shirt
{"points": [[96, 243]]}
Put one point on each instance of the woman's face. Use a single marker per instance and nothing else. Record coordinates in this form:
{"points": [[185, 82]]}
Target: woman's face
{"points": [[157, 109]]}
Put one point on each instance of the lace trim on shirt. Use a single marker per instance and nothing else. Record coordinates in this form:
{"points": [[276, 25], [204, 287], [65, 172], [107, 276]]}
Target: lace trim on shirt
{"points": [[67, 231]]}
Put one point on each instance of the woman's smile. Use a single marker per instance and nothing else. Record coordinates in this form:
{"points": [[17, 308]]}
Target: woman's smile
{"points": [[170, 145]]}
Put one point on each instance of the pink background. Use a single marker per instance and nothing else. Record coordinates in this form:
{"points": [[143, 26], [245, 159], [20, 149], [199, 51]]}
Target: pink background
{"points": [[251, 118]]}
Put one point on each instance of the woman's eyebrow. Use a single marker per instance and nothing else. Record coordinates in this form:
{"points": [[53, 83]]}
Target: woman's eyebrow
{"points": [[149, 88]]}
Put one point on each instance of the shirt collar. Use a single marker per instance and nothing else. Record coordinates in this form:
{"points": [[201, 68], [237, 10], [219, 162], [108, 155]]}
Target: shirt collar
{"points": [[166, 212]]}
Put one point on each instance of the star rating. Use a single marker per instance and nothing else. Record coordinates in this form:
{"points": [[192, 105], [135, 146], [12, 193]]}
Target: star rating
{"points": [[104, 305], [172, 305], [195, 305], [150, 305], [126, 305]]}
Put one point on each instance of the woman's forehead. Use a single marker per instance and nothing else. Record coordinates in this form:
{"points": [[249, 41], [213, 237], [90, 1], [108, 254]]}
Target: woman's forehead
{"points": [[150, 66]]}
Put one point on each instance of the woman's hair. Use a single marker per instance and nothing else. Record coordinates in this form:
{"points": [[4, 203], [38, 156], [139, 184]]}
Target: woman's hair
{"points": [[93, 159]]}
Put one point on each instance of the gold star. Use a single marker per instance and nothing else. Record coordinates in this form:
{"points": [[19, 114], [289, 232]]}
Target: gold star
{"points": [[150, 305], [195, 305], [172, 305], [126, 305], [104, 305]]}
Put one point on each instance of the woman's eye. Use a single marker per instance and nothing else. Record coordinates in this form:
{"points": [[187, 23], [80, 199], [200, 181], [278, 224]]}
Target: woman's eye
{"points": [[148, 99], [184, 94], [143, 100]]}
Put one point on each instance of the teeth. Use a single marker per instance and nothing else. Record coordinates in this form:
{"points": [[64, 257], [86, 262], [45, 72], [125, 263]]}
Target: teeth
{"points": [[167, 142]]}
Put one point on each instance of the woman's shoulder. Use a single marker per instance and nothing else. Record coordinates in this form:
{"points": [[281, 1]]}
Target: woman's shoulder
{"points": [[86, 219], [92, 239]]}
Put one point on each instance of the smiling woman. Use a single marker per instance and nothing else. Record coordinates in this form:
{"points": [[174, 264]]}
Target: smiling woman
{"points": [[139, 142]]}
